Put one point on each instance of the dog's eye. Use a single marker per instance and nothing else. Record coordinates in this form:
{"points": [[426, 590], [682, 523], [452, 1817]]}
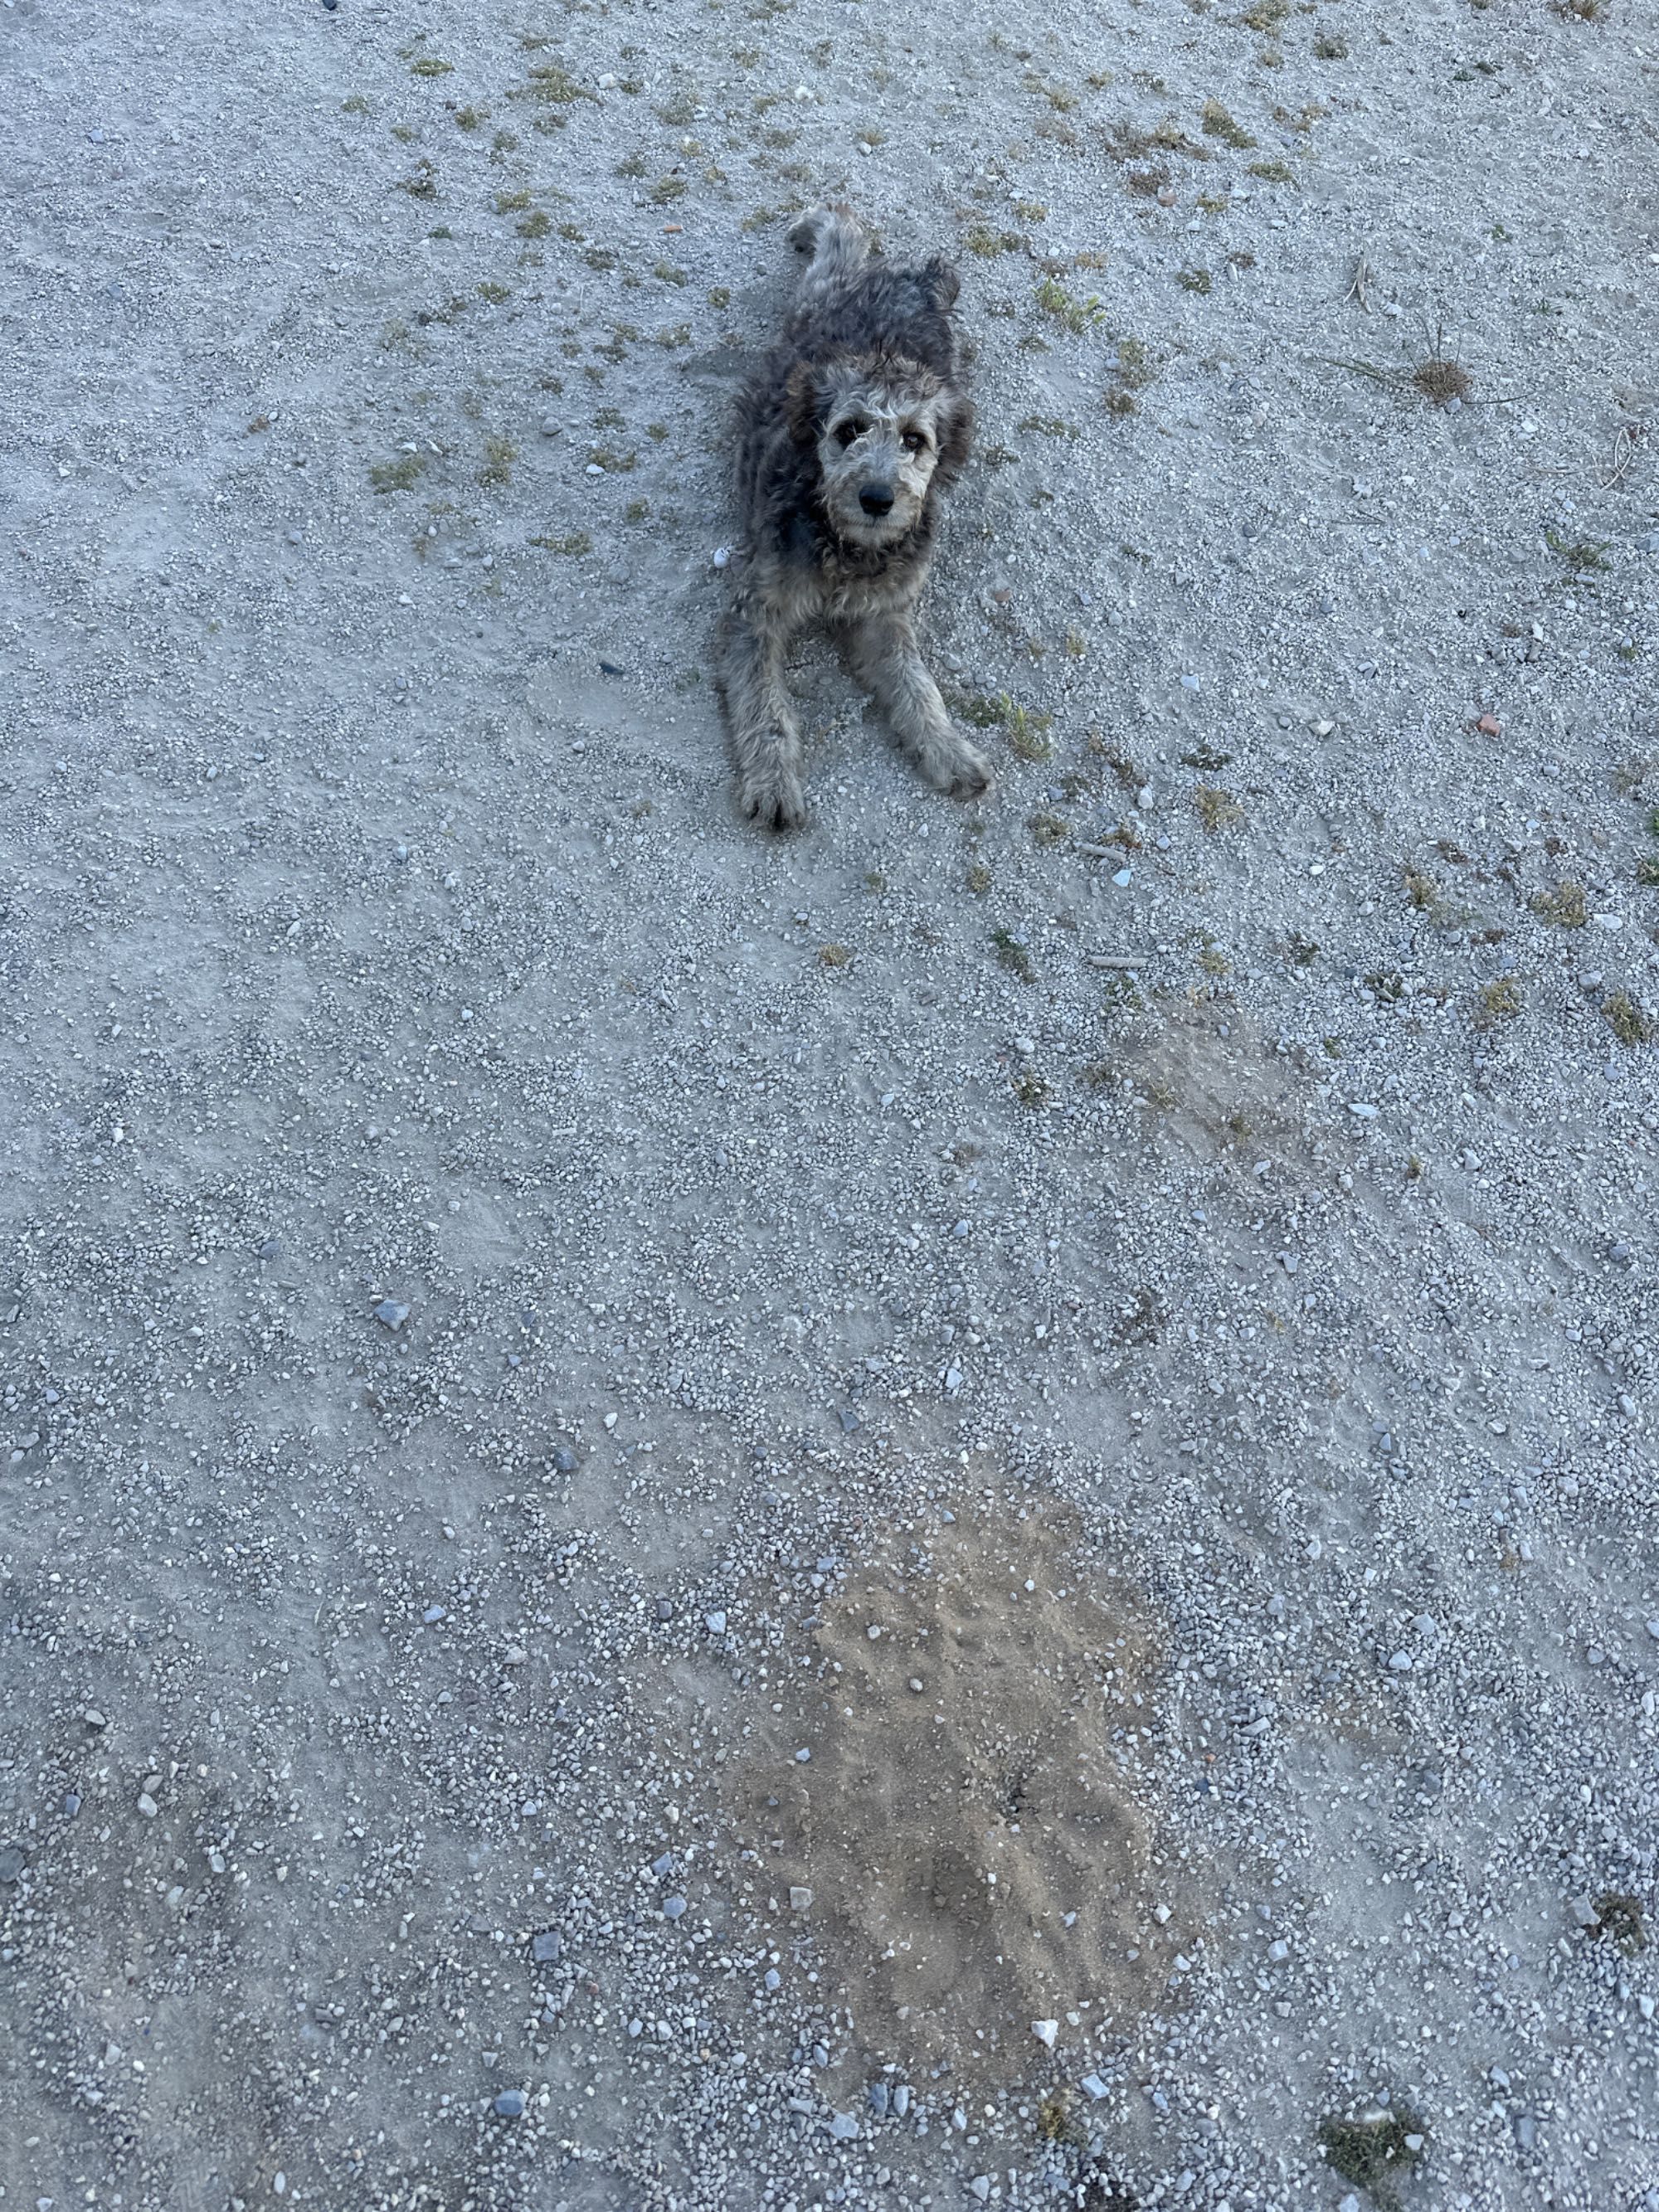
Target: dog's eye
{"points": [[849, 433], [914, 443]]}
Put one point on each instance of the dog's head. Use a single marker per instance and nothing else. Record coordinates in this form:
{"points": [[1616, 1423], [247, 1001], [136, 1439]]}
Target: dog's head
{"points": [[887, 434]]}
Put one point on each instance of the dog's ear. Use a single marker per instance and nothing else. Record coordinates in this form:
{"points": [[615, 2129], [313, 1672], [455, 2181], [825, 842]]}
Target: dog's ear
{"points": [[941, 283], [803, 404], [956, 436]]}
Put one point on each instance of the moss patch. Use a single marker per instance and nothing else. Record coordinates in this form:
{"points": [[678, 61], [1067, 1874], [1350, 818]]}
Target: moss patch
{"points": [[1565, 907], [1373, 2151], [1628, 1019]]}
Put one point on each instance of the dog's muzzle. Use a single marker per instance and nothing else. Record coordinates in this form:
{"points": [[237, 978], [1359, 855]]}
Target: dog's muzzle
{"points": [[876, 499]]}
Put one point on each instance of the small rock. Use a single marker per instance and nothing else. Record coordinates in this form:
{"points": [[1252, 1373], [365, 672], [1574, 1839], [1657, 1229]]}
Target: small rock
{"points": [[1583, 1912], [800, 1899], [1526, 2131], [94, 1718], [802, 1756], [552, 426], [390, 1314], [672, 1907], [71, 1804], [901, 2100], [432, 1614], [547, 1947], [715, 1623], [13, 1859], [146, 1805], [270, 1248], [981, 2186], [773, 1979], [878, 2100], [1047, 2033], [1095, 2087], [509, 2105], [843, 2127]]}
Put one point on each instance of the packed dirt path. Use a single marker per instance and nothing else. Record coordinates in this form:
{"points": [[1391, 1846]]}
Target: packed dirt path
{"points": [[961, 1511]]}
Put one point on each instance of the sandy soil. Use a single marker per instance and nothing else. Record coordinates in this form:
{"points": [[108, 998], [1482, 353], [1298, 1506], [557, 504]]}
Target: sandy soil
{"points": [[508, 1279]]}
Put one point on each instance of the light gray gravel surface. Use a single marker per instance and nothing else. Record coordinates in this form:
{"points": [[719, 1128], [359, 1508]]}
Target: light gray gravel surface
{"points": [[960, 1512]]}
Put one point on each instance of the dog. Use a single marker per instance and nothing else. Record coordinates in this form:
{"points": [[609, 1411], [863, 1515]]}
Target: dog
{"points": [[854, 426]]}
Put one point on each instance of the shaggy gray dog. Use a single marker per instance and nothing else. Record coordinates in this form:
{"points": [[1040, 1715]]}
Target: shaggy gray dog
{"points": [[853, 426]]}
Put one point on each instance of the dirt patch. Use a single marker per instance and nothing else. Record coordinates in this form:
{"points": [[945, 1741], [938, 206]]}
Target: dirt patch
{"points": [[967, 1823]]}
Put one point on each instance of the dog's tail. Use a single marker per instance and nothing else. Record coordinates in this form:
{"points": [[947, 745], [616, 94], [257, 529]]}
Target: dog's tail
{"points": [[836, 243]]}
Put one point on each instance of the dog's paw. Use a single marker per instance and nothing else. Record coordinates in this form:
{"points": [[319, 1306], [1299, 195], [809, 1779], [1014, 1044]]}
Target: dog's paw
{"points": [[964, 772], [772, 802]]}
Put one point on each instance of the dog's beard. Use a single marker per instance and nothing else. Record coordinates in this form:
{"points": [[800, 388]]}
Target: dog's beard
{"points": [[870, 533]]}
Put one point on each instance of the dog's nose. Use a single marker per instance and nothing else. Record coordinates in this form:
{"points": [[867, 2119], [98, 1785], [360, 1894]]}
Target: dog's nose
{"points": [[876, 498]]}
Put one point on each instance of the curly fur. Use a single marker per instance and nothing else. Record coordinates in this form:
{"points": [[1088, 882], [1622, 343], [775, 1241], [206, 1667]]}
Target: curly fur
{"points": [[855, 424]]}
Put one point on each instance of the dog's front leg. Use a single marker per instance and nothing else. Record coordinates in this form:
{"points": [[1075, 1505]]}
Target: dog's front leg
{"points": [[761, 733], [882, 656]]}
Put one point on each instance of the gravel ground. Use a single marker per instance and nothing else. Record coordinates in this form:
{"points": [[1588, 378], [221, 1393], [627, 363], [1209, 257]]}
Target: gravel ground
{"points": [[958, 1512]]}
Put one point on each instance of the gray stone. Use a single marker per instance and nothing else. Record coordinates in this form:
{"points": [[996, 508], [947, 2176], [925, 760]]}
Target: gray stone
{"points": [[843, 2126], [672, 1907], [13, 1859], [390, 1314], [547, 1947], [509, 2105], [902, 2098]]}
